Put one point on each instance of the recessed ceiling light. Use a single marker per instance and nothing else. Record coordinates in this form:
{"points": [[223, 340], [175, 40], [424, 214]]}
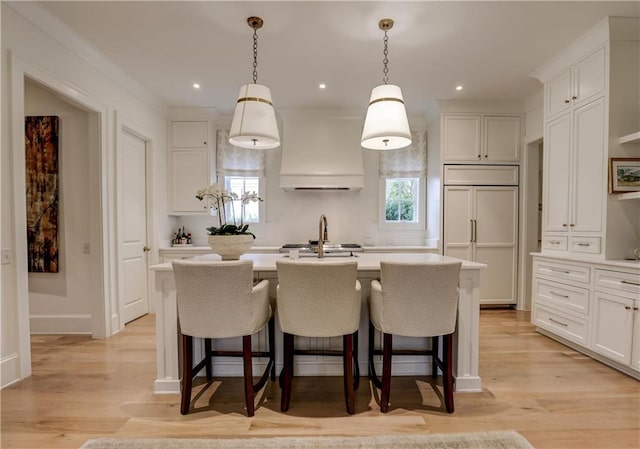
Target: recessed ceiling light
{"points": [[196, 86], [322, 86], [458, 87]]}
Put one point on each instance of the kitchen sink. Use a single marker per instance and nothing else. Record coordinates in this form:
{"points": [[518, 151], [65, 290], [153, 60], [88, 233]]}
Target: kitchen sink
{"points": [[330, 250]]}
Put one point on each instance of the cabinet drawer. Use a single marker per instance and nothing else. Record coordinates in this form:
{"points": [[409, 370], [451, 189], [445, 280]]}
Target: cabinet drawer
{"points": [[562, 271], [563, 325], [589, 245], [562, 295], [553, 242], [617, 280], [177, 256]]}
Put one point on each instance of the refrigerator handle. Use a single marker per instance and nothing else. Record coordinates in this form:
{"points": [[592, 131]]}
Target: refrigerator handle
{"points": [[471, 229]]}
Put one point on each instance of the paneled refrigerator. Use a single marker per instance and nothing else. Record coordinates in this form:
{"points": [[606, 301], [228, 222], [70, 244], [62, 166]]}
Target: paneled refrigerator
{"points": [[480, 223]]}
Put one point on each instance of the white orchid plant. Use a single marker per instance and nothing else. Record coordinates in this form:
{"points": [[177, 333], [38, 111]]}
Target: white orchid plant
{"points": [[218, 198]]}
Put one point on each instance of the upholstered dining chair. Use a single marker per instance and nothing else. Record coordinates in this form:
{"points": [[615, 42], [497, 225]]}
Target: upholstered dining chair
{"points": [[319, 299], [219, 300], [414, 300]]}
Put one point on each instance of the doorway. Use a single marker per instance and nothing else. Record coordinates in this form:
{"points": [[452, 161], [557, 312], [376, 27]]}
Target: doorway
{"points": [[532, 168], [61, 301]]}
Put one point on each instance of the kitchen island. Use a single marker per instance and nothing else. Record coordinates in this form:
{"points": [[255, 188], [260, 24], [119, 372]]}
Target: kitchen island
{"points": [[465, 357]]}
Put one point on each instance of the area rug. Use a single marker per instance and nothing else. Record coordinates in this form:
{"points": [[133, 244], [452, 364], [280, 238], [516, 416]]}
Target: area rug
{"points": [[483, 440]]}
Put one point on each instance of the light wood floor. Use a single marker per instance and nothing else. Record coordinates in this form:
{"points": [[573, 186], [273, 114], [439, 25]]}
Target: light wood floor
{"points": [[557, 398]]}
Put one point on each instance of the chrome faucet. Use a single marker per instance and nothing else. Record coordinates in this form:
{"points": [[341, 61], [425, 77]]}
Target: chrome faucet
{"points": [[323, 235]]}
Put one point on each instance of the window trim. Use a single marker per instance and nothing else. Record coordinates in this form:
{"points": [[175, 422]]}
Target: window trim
{"points": [[255, 225], [421, 205]]}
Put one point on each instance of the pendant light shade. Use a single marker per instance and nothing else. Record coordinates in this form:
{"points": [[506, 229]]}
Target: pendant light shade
{"points": [[386, 126], [254, 121]]}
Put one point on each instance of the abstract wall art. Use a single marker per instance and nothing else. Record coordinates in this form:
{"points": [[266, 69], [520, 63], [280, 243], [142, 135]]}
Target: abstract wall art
{"points": [[42, 185]]}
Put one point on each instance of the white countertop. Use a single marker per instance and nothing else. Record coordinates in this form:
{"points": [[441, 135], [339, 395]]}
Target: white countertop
{"points": [[275, 249], [635, 264], [366, 261]]}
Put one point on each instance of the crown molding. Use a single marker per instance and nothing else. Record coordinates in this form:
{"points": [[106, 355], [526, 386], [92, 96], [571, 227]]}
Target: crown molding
{"points": [[48, 23]]}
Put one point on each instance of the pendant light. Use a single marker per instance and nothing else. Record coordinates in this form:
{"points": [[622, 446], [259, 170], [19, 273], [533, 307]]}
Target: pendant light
{"points": [[386, 126], [254, 120]]}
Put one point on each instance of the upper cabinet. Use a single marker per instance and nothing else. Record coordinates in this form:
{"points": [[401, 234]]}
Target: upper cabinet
{"points": [[189, 134], [590, 111], [189, 166], [576, 85], [478, 138]]}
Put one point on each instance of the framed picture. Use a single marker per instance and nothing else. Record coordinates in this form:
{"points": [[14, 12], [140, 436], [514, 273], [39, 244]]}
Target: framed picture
{"points": [[42, 179], [624, 174]]}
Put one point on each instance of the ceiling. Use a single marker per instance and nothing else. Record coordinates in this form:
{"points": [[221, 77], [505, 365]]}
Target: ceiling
{"points": [[490, 48]]}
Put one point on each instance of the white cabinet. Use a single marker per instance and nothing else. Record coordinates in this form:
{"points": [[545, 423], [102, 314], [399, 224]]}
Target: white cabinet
{"points": [[575, 175], [616, 299], [590, 100], [560, 299], [613, 326], [189, 134], [189, 166], [480, 138], [591, 306], [481, 224], [576, 85]]}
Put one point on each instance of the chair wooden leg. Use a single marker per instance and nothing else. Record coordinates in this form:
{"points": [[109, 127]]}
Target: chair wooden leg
{"points": [[287, 371], [387, 348], [271, 328], [447, 376], [371, 370], [356, 366], [435, 343], [347, 362], [248, 374], [187, 373], [209, 358]]}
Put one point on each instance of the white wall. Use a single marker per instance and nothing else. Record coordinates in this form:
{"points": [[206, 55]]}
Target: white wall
{"points": [[62, 302], [51, 51], [293, 216]]}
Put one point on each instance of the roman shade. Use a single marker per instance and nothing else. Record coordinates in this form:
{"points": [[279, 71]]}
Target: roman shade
{"points": [[235, 161], [406, 162]]}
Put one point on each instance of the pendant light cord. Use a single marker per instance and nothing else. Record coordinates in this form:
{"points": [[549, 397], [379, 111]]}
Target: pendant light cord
{"points": [[385, 61], [255, 55]]}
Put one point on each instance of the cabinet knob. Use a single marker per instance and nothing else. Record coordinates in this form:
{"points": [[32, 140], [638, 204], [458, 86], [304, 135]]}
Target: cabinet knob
{"points": [[627, 307], [564, 225], [574, 98], [204, 143], [479, 156], [572, 224], [486, 155], [566, 101]]}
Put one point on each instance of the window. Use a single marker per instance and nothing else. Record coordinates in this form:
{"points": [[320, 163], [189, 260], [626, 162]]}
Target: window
{"points": [[240, 185], [401, 200], [402, 203], [402, 197]]}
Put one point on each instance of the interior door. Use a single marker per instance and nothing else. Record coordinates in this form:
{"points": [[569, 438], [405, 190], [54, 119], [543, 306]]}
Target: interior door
{"points": [[496, 237], [133, 226], [457, 222]]}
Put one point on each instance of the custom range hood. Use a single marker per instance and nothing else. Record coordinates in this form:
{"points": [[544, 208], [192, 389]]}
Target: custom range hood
{"points": [[320, 153]]}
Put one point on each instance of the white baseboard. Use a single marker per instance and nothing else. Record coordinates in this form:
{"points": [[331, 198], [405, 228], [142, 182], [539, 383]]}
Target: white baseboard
{"points": [[60, 324], [9, 370]]}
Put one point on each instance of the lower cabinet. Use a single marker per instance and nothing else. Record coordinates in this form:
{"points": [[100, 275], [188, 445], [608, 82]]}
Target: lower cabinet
{"points": [[592, 306], [613, 322]]}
